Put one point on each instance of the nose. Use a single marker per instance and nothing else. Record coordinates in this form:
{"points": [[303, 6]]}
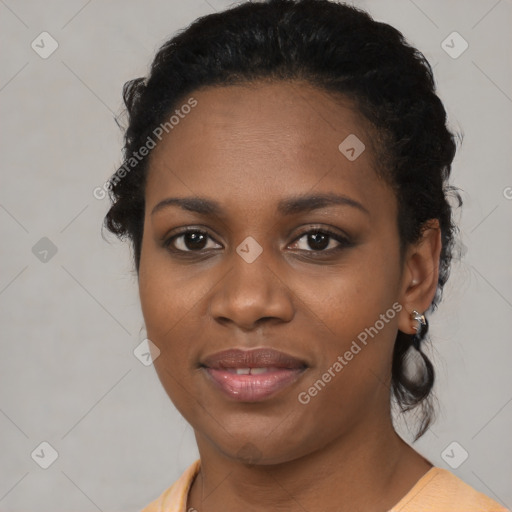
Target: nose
{"points": [[251, 293]]}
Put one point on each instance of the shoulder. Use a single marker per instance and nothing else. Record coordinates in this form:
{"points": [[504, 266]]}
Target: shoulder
{"points": [[174, 499], [439, 490]]}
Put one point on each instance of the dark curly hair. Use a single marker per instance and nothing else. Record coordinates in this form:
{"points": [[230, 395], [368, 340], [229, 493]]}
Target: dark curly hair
{"points": [[341, 50]]}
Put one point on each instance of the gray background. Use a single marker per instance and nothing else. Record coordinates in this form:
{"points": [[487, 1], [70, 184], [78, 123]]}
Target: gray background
{"points": [[69, 325]]}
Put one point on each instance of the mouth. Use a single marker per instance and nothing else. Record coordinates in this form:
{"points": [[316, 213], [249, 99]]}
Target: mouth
{"points": [[252, 375]]}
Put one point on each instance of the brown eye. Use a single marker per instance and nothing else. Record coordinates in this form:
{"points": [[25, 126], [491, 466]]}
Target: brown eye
{"points": [[321, 241], [191, 240]]}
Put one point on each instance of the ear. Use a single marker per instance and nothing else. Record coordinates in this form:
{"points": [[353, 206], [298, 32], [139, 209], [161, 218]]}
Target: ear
{"points": [[420, 275]]}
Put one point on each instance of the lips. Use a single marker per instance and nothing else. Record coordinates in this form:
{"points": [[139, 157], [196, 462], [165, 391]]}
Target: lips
{"points": [[256, 358], [252, 375]]}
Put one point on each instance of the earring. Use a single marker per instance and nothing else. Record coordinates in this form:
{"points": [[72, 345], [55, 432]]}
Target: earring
{"points": [[420, 319]]}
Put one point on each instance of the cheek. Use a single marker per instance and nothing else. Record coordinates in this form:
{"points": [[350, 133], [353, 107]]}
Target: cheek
{"points": [[357, 310], [165, 295], [168, 310], [349, 298], [174, 306], [163, 306], [354, 370]]}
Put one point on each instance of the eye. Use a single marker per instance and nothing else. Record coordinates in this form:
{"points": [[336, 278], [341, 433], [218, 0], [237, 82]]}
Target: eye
{"points": [[321, 240], [189, 240]]}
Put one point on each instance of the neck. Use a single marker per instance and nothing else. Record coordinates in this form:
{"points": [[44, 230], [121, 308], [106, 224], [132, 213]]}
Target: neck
{"points": [[368, 468]]}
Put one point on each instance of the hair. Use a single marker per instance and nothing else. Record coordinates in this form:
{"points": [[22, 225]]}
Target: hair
{"points": [[339, 49]]}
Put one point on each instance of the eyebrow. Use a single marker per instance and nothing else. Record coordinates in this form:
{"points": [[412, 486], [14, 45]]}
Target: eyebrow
{"points": [[289, 206]]}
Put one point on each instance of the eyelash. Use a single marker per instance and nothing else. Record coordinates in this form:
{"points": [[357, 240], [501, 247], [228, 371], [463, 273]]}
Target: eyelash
{"points": [[342, 240]]}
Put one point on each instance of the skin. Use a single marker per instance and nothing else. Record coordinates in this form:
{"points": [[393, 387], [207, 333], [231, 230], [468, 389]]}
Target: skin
{"points": [[248, 147]]}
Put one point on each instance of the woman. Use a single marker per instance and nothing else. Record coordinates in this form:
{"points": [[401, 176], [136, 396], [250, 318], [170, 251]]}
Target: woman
{"points": [[285, 191]]}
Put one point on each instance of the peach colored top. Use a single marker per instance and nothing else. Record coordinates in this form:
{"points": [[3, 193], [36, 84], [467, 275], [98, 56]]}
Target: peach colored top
{"points": [[438, 490]]}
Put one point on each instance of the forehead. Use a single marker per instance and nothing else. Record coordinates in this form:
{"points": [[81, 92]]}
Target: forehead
{"points": [[265, 140]]}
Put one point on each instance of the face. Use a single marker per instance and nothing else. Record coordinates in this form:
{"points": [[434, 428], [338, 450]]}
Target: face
{"points": [[293, 249]]}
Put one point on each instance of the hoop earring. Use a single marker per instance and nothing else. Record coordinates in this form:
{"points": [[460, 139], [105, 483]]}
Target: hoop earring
{"points": [[420, 321]]}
